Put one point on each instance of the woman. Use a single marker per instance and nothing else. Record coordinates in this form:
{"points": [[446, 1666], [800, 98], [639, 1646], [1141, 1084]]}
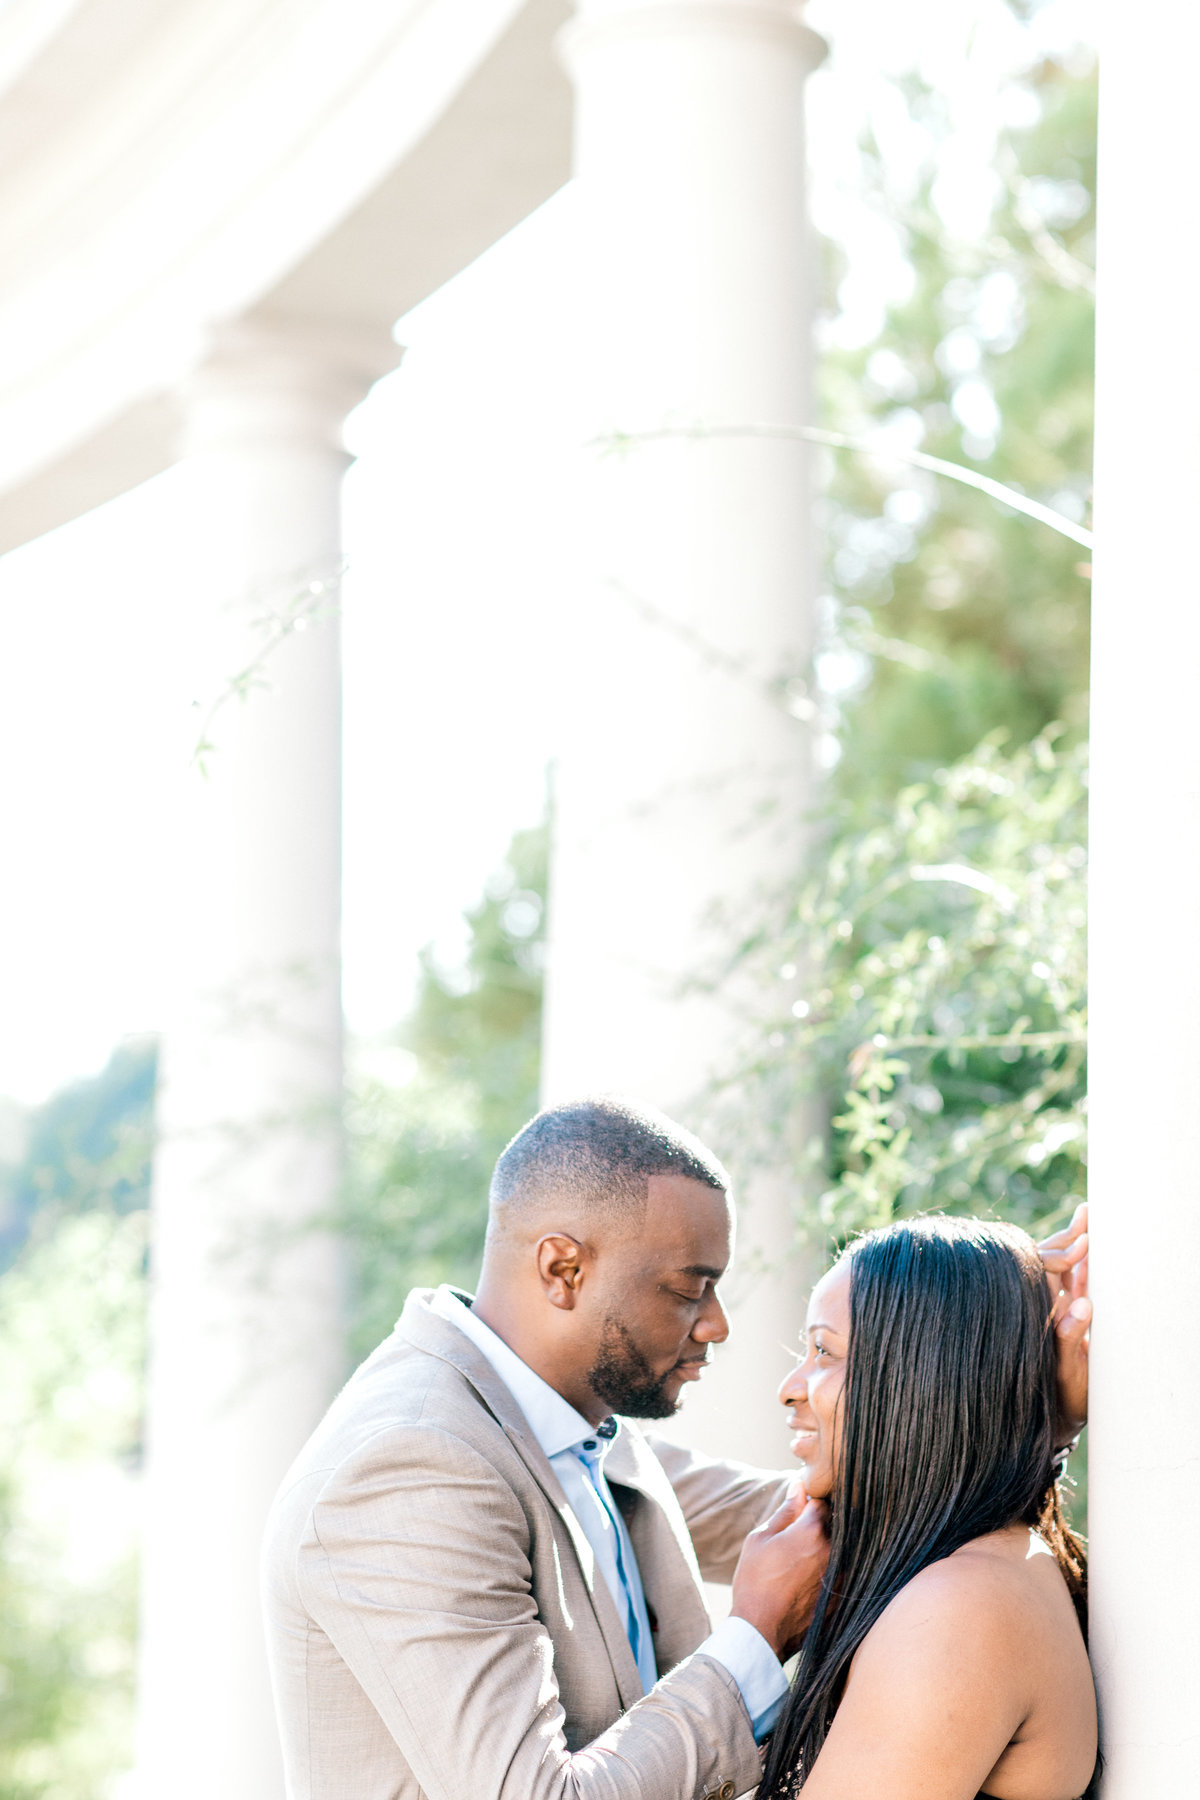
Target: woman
{"points": [[946, 1658]]}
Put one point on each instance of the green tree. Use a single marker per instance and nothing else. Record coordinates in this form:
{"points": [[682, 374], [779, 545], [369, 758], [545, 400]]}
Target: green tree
{"points": [[72, 1350], [72, 1323], [931, 977], [929, 992], [87, 1146], [963, 616], [421, 1152], [950, 1065], [926, 979]]}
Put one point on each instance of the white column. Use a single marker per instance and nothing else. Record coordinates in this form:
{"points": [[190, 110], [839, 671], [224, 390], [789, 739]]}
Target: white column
{"points": [[683, 784], [246, 1344], [1144, 1456]]}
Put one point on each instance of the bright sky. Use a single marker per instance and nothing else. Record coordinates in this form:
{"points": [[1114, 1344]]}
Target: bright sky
{"points": [[457, 533]]}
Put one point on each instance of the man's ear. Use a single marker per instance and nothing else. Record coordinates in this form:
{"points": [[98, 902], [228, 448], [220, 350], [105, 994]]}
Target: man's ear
{"points": [[560, 1263]]}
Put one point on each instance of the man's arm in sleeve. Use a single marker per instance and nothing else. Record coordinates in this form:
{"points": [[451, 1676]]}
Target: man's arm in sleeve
{"points": [[416, 1567], [743, 1650], [722, 1502], [785, 1556]]}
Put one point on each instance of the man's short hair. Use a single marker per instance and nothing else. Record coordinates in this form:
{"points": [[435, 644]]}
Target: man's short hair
{"points": [[599, 1153]]}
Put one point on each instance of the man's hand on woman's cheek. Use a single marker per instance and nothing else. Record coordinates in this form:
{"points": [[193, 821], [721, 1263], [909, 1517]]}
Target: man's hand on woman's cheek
{"points": [[778, 1577]]}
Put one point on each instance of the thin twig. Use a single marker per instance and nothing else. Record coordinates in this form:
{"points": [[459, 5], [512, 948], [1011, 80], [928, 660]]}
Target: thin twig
{"points": [[837, 440], [307, 601], [1030, 1040]]}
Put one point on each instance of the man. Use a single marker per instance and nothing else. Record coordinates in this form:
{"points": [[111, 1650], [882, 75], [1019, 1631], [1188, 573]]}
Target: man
{"points": [[482, 1577]]}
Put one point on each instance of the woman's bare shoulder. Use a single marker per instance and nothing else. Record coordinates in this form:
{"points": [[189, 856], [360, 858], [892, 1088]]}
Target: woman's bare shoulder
{"points": [[953, 1631], [996, 1612], [937, 1684], [960, 1681], [995, 1619], [984, 1585]]}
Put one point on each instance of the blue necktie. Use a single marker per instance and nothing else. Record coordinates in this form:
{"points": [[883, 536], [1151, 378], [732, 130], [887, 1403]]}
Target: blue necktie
{"points": [[591, 1455]]}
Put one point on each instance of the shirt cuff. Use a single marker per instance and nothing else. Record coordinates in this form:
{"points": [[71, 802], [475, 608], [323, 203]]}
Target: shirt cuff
{"points": [[745, 1652]]}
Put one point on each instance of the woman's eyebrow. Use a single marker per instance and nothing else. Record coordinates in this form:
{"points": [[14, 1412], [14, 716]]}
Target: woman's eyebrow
{"points": [[818, 1326]]}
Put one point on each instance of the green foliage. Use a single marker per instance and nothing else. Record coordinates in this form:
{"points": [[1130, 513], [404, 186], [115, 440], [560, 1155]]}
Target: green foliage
{"points": [[965, 617], [87, 1146], [481, 1025], [936, 961], [932, 977], [72, 1322], [72, 1349], [421, 1150], [929, 994]]}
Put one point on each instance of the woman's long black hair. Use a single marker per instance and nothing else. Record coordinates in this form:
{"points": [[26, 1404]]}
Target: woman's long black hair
{"points": [[947, 1434]]}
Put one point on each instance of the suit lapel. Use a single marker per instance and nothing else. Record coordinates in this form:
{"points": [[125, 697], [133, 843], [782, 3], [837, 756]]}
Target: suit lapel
{"points": [[663, 1547], [625, 1670], [428, 1331]]}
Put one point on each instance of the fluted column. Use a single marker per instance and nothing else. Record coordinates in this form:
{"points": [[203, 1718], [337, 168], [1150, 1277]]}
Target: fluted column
{"points": [[246, 1345], [684, 782], [1144, 1107]]}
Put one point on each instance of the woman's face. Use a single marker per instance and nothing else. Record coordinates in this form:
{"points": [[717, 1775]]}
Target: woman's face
{"points": [[813, 1389]]}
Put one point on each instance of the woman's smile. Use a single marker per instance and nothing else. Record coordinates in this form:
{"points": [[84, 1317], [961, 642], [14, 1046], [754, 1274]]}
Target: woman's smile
{"points": [[805, 1434], [811, 1391]]}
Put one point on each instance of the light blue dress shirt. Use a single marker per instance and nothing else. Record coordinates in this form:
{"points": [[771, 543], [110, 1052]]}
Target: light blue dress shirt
{"points": [[576, 1451]]}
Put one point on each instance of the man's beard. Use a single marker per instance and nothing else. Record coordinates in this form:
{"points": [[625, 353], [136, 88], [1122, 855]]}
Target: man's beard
{"points": [[624, 1380]]}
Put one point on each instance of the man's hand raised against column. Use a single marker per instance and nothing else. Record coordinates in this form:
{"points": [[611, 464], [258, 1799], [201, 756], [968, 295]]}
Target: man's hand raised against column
{"points": [[1064, 1257], [778, 1576]]}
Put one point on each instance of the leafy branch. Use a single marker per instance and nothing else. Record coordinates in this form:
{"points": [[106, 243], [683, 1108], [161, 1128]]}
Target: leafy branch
{"points": [[311, 602]]}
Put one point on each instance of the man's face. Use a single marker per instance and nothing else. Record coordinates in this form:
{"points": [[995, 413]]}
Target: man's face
{"points": [[660, 1307]]}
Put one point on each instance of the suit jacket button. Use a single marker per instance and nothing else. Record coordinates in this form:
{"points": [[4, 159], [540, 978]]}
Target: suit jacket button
{"points": [[726, 1791]]}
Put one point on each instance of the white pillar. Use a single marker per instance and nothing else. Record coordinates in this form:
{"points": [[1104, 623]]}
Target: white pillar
{"points": [[246, 1343], [1144, 1455], [683, 785]]}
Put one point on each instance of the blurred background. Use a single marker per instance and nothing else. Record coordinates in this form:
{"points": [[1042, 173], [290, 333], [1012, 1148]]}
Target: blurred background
{"points": [[919, 979]]}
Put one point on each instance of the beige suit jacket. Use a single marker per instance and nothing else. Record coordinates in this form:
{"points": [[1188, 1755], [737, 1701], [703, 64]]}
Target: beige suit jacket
{"points": [[436, 1623]]}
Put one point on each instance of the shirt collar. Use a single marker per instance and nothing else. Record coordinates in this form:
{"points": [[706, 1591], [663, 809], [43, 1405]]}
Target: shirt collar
{"points": [[554, 1421]]}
